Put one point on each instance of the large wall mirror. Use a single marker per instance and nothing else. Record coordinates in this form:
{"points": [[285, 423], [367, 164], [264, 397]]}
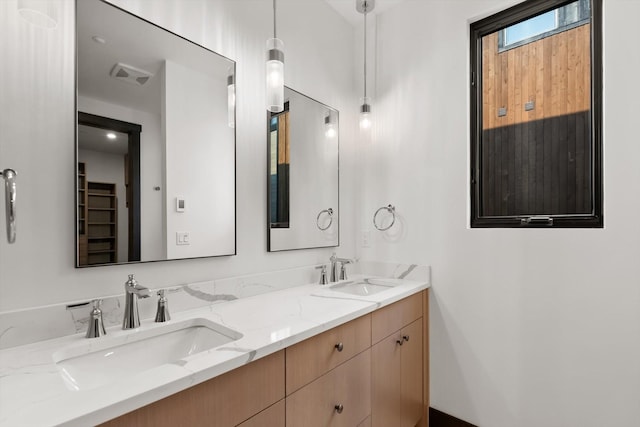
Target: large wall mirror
{"points": [[303, 175], [155, 142]]}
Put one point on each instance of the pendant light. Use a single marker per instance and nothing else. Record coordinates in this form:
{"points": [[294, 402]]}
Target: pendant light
{"points": [[364, 7], [330, 125], [231, 97], [275, 70]]}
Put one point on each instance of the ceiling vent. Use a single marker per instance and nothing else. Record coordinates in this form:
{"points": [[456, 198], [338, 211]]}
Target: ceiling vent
{"points": [[129, 74]]}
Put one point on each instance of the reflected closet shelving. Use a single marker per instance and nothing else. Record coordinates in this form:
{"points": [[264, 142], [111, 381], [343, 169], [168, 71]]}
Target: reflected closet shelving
{"points": [[97, 220]]}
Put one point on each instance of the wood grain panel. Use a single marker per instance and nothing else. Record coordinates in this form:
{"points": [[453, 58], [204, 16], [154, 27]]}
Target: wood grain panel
{"points": [[386, 397], [551, 71], [393, 317], [273, 416], [224, 401], [315, 356], [349, 385], [559, 177]]}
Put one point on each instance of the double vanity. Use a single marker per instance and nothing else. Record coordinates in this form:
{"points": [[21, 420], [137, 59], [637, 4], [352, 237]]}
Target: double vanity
{"points": [[156, 181], [346, 354]]}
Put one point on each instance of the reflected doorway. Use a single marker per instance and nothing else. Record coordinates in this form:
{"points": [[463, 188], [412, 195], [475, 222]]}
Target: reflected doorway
{"points": [[108, 203]]}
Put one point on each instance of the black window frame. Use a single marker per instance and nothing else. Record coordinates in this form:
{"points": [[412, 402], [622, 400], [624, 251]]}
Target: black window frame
{"points": [[497, 22]]}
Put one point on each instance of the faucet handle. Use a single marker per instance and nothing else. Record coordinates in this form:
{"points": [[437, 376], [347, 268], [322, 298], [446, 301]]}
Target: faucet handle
{"points": [[96, 325], [162, 314], [323, 274], [343, 270]]}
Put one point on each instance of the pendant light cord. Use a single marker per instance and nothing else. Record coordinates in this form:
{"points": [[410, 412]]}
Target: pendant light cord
{"points": [[365, 48], [274, 19]]}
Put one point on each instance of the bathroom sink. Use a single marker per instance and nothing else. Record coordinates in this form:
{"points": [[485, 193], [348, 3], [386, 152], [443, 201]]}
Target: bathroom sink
{"points": [[100, 361], [364, 287]]}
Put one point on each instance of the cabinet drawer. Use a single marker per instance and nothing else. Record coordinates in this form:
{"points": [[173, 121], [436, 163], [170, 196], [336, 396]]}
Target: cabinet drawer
{"points": [[348, 385], [312, 358], [224, 401], [393, 317], [273, 416]]}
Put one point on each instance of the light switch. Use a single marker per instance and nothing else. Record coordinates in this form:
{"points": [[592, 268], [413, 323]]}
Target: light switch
{"points": [[366, 238], [182, 238]]}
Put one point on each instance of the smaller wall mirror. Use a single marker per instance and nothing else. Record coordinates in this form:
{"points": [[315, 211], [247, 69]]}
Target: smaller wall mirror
{"points": [[303, 168]]}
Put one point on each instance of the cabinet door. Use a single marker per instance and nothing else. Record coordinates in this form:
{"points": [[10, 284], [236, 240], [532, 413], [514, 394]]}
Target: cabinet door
{"points": [[386, 405], [411, 374]]}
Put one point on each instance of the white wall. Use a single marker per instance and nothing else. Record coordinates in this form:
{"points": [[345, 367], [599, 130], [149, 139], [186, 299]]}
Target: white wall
{"points": [[151, 176], [529, 328], [109, 168], [37, 138], [199, 162]]}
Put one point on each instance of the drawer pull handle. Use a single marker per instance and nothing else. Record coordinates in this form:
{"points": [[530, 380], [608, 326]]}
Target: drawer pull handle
{"points": [[339, 408], [339, 346], [399, 342], [405, 337]]}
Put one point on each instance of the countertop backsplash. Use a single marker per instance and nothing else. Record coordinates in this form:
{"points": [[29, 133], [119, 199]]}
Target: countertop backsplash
{"points": [[41, 323]]}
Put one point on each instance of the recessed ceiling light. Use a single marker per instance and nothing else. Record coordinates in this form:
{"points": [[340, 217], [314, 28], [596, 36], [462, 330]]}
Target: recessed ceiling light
{"points": [[98, 39], [111, 135]]}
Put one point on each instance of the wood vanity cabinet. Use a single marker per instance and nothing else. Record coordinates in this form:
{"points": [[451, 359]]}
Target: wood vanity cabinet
{"points": [[371, 371]]}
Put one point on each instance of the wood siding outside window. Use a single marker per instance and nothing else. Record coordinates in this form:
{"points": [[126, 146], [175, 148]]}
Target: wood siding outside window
{"points": [[537, 160]]}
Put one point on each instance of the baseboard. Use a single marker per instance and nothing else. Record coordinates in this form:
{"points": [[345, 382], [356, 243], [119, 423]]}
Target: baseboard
{"points": [[440, 419]]}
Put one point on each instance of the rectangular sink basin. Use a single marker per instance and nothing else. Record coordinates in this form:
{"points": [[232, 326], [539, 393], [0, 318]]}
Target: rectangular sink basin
{"points": [[100, 361], [364, 287]]}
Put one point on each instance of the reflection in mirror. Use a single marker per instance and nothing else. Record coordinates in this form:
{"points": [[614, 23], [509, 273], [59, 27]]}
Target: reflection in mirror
{"points": [[155, 142], [303, 175]]}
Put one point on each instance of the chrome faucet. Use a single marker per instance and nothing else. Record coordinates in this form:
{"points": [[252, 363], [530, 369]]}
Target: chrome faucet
{"points": [[132, 291], [335, 276]]}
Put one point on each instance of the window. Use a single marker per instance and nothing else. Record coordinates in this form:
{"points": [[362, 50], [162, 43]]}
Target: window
{"points": [[544, 25], [536, 116]]}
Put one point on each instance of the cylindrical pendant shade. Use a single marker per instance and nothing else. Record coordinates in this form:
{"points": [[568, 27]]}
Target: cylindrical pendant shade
{"points": [[275, 75], [366, 118], [330, 126]]}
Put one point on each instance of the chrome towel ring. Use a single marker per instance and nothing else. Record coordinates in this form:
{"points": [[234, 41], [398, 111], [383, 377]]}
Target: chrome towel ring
{"points": [[392, 210], [328, 212]]}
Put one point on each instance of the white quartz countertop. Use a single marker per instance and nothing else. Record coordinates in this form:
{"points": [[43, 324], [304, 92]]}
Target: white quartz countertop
{"points": [[33, 393]]}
